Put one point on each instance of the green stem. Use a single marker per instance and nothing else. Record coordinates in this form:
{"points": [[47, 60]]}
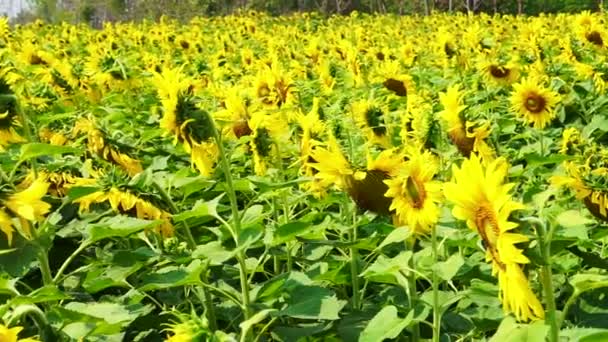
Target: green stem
{"points": [[45, 269], [436, 306], [174, 210], [354, 266], [28, 132], [412, 294], [208, 303], [69, 260], [240, 256], [546, 278]]}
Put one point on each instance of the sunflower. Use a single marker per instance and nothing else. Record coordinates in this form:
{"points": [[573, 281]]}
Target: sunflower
{"points": [[466, 135], [9, 121], [331, 165], [268, 131], [415, 195], [27, 205], [534, 103], [128, 203], [498, 73], [12, 334], [189, 124], [97, 143], [367, 188], [482, 200], [371, 117], [312, 129]]}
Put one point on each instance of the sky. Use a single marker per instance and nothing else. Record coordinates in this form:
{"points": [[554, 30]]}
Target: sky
{"points": [[12, 7]]}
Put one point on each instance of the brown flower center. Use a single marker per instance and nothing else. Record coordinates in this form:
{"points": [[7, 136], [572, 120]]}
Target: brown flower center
{"points": [[396, 86], [595, 38], [499, 71], [535, 103]]}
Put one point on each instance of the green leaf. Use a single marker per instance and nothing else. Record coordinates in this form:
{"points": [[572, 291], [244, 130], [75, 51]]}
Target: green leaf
{"points": [[111, 313], [33, 150], [173, 276], [7, 285], [117, 227], [289, 231], [313, 302], [44, 294], [104, 276], [385, 324], [397, 235], [448, 269], [214, 252], [584, 282], [573, 219], [511, 331], [77, 192], [200, 209]]}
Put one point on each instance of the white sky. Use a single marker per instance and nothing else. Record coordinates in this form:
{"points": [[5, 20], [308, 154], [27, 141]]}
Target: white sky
{"points": [[12, 7]]}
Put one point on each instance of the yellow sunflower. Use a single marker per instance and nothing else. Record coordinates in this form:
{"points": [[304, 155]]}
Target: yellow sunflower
{"points": [[12, 334], [182, 117], [482, 200], [466, 135], [415, 195], [127, 202], [27, 205], [371, 117], [534, 103]]}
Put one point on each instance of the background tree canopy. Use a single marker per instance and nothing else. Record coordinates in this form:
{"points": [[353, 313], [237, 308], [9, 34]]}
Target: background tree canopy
{"points": [[97, 11]]}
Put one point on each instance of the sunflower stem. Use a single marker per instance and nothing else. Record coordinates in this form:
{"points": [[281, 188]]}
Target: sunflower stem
{"points": [[28, 132], [174, 210], [69, 260], [436, 306], [354, 266], [412, 294], [240, 256], [208, 302], [546, 278], [45, 268]]}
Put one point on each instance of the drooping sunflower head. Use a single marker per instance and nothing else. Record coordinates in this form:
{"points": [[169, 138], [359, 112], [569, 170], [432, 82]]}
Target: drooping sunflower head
{"points": [[533, 102], [195, 124], [572, 142], [372, 119]]}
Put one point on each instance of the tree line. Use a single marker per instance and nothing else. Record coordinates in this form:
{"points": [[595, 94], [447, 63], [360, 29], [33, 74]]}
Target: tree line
{"points": [[96, 12]]}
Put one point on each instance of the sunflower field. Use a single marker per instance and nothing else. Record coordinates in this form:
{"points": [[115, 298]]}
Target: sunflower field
{"points": [[305, 178]]}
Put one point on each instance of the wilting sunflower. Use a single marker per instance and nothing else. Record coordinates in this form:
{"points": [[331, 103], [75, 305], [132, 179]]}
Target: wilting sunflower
{"points": [[52, 137], [12, 334], [27, 205], [534, 103], [97, 143], [415, 195], [481, 198], [128, 203]]}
